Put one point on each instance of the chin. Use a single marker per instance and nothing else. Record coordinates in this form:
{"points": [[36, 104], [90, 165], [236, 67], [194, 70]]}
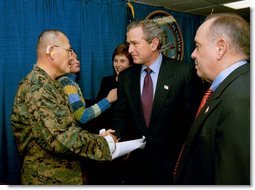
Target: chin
{"points": [[199, 74]]}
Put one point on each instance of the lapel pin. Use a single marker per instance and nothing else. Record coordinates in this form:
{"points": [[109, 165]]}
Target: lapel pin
{"points": [[166, 87], [207, 109]]}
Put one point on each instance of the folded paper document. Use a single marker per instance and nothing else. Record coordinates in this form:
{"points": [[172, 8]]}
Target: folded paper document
{"points": [[126, 147]]}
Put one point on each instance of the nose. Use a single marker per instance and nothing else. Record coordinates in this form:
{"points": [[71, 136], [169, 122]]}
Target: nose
{"points": [[130, 48], [117, 63], [193, 55]]}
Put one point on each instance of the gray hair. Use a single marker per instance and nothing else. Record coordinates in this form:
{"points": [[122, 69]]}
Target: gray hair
{"points": [[150, 28], [234, 28]]}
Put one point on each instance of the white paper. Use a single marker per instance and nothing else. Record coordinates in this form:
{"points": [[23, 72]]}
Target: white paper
{"points": [[126, 147]]}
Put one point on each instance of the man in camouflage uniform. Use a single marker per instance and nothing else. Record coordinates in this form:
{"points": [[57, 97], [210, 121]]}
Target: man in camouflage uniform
{"points": [[47, 136]]}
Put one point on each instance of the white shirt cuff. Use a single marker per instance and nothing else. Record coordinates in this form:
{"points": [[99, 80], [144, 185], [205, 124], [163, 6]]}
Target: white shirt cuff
{"points": [[111, 143]]}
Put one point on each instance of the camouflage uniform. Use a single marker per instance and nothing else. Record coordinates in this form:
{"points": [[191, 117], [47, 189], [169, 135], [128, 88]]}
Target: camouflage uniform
{"points": [[47, 136]]}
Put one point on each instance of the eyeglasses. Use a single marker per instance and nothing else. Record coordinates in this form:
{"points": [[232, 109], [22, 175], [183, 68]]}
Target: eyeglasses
{"points": [[69, 50]]}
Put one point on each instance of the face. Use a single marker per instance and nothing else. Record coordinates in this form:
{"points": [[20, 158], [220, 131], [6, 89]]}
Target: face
{"points": [[62, 57], [120, 63], [205, 53], [75, 66], [140, 50]]}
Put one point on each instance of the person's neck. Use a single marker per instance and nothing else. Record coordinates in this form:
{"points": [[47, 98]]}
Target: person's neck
{"points": [[229, 61], [152, 59], [47, 67]]}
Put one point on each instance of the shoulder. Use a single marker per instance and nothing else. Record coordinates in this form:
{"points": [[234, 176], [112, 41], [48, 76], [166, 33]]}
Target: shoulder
{"points": [[175, 66], [64, 80], [133, 70], [107, 83], [236, 83], [35, 81]]}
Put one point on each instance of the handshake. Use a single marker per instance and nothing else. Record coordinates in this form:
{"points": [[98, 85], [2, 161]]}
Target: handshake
{"points": [[121, 148]]}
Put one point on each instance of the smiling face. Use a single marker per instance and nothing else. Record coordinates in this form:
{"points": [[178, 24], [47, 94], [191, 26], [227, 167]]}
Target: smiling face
{"points": [[120, 63]]}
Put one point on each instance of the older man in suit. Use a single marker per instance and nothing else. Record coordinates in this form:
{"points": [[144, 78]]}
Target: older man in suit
{"points": [[175, 92], [217, 149]]}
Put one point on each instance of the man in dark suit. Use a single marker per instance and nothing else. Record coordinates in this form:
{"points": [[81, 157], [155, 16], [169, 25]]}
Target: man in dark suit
{"points": [[217, 149], [176, 95]]}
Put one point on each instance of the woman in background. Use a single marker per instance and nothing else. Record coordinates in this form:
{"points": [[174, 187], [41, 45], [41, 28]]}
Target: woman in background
{"points": [[121, 59]]}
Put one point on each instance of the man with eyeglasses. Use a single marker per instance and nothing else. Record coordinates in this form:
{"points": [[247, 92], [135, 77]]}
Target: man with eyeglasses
{"points": [[47, 136]]}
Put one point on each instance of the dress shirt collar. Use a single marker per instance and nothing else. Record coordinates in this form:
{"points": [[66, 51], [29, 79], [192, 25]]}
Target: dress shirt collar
{"points": [[225, 73], [155, 66]]}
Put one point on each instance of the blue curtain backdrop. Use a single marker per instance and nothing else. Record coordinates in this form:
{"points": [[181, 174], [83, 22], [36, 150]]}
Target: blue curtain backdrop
{"points": [[94, 28]]}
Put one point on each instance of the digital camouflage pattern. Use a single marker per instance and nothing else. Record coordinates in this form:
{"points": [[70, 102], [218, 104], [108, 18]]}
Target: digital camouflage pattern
{"points": [[47, 137]]}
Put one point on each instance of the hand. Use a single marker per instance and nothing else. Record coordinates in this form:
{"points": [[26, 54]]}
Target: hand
{"points": [[110, 132], [112, 95]]}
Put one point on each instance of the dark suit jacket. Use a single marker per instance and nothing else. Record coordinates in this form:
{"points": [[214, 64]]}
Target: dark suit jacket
{"points": [[105, 119], [178, 93], [107, 84], [217, 150]]}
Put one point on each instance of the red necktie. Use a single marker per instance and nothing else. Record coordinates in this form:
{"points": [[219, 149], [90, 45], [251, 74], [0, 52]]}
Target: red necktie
{"points": [[147, 96], [206, 96]]}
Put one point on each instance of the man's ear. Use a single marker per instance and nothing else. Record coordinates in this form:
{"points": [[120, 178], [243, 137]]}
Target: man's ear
{"points": [[221, 47], [49, 50], [154, 44]]}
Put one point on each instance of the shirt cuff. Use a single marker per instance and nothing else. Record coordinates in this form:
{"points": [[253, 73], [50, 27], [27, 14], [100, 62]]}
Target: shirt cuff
{"points": [[111, 143]]}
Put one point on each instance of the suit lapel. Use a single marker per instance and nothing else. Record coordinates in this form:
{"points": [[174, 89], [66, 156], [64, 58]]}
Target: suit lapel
{"points": [[164, 85], [135, 91], [207, 109]]}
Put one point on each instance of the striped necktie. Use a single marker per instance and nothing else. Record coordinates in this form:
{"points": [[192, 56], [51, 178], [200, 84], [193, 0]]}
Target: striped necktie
{"points": [[206, 96]]}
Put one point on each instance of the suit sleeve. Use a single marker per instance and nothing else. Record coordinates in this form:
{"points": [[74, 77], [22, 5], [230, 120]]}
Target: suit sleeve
{"points": [[232, 156], [121, 109]]}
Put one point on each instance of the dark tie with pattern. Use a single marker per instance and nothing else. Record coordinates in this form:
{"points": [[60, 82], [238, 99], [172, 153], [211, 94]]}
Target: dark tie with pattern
{"points": [[206, 96], [147, 96]]}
